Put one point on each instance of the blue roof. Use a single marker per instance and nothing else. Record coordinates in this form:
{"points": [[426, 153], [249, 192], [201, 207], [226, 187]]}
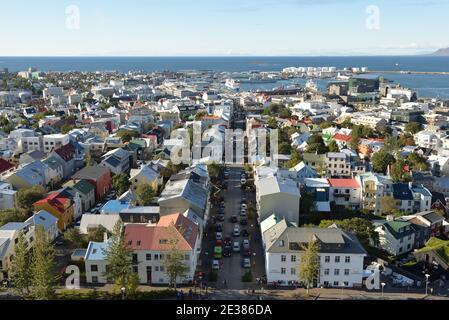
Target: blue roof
{"points": [[13, 226], [114, 206], [43, 218], [96, 251], [422, 190]]}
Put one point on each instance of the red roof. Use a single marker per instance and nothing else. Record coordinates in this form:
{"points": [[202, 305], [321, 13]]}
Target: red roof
{"points": [[342, 137], [56, 200], [158, 237], [344, 183], [5, 165], [66, 152]]}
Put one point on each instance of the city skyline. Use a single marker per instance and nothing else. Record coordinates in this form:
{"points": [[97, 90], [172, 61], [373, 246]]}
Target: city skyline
{"points": [[223, 28]]}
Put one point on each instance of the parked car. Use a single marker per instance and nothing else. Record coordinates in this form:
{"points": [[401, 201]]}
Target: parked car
{"points": [[221, 217], [227, 252], [218, 236], [246, 263], [218, 251], [245, 233], [246, 244], [244, 222], [218, 228], [243, 181], [236, 246], [228, 240], [234, 219], [244, 206], [236, 232], [242, 212], [219, 243], [215, 265]]}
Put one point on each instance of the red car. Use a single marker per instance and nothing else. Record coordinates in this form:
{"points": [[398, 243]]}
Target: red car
{"points": [[219, 243]]}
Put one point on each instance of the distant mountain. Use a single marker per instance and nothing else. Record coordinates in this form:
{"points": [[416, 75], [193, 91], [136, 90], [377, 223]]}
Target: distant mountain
{"points": [[441, 52]]}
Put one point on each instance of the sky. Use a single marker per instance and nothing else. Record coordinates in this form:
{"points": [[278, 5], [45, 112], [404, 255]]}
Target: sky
{"points": [[222, 27]]}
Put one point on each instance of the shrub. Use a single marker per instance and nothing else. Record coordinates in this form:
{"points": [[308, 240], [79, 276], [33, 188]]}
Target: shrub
{"points": [[247, 277]]}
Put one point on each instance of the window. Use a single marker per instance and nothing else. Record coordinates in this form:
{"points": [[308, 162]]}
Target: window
{"points": [[283, 270], [336, 283], [186, 257], [148, 256], [337, 259], [346, 284], [293, 258], [161, 269], [336, 272], [156, 268], [347, 259], [327, 259], [135, 269], [283, 258], [156, 257], [346, 272], [94, 268], [293, 271], [326, 272]]}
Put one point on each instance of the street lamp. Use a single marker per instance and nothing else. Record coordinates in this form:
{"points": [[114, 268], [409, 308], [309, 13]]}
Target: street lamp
{"points": [[123, 289], [383, 285], [427, 281]]}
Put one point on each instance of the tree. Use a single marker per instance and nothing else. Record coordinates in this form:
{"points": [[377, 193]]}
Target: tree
{"points": [[145, 194], [354, 143], [10, 215], [118, 258], [214, 170], [413, 127], [25, 198], [333, 146], [67, 128], [309, 266], [272, 123], [74, 238], [174, 262], [326, 124], [295, 158], [285, 148], [20, 267], [43, 267], [97, 234], [388, 205], [362, 228], [417, 162], [381, 160], [398, 173], [200, 115], [317, 148], [127, 135], [121, 183]]}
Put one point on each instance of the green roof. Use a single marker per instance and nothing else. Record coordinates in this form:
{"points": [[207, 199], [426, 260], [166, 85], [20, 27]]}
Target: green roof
{"points": [[439, 246], [397, 225], [83, 186]]}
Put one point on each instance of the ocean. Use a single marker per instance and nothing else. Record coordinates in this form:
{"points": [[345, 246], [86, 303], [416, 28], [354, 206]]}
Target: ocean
{"points": [[426, 85]]}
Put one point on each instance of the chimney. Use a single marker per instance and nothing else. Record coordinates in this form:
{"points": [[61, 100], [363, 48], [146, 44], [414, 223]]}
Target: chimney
{"points": [[390, 217]]}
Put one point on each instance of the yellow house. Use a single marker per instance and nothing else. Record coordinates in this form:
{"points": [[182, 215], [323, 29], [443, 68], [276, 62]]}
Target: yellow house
{"points": [[58, 205], [145, 175]]}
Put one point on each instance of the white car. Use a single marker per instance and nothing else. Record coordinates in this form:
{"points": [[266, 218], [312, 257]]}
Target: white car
{"points": [[243, 181], [215, 265], [236, 247], [244, 206], [219, 236], [236, 232]]}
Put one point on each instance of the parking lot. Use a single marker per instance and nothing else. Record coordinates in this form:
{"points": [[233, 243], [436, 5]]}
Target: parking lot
{"points": [[231, 269]]}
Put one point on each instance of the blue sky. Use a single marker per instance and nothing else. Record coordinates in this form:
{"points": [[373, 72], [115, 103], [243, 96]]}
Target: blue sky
{"points": [[222, 27]]}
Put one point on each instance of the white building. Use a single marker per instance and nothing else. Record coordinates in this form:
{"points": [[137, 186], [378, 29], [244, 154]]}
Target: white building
{"points": [[7, 196], [395, 237], [341, 254], [338, 164], [55, 141]]}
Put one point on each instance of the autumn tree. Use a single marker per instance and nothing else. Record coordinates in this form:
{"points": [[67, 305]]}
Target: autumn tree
{"points": [[309, 266], [174, 262]]}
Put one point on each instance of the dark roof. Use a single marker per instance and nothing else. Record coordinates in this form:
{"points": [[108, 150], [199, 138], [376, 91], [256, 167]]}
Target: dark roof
{"points": [[5, 165], [432, 216], [438, 196], [66, 152], [401, 191], [91, 173], [83, 186], [113, 161]]}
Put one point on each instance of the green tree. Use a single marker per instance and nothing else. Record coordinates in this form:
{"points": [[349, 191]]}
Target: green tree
{"points": [[333, 146], [127, 135], [121, 183], [66, 128], [200, 115], [43, 267], [73, 238], [20, 267], [309, 266], [272, 123], [118, 258], [25, 198], [417, 162], [285, 148], [326, 124], [174, 262], [362, 228], [214, 170], [11, 215], [145, 194], [97, 234], [398, 173], [381, 160], [317, 148], [388, 205], [413, 127]]}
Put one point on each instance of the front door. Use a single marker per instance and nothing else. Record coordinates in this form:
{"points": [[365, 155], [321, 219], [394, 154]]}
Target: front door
{"points": [[149, 269]]}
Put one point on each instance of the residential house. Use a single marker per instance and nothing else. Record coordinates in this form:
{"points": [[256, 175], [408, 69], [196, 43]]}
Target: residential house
{"points": [[7, 196], [55, 141], [302, 171], [279, 196], [395, 237], [117, 160], [99, 176], [9, 235], [91, 222], [315, 161], [373, 188], [434, 253], [32, 174], [86, 192], [55, 170], [319, 189], [345, 192], [338, 164], [340, 253], [431, 223], [6, 168], [48, 221], [146, 174], [60, 205]]}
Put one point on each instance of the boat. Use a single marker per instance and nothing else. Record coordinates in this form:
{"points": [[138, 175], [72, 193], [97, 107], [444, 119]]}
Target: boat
{"points": [[232, 84]]}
